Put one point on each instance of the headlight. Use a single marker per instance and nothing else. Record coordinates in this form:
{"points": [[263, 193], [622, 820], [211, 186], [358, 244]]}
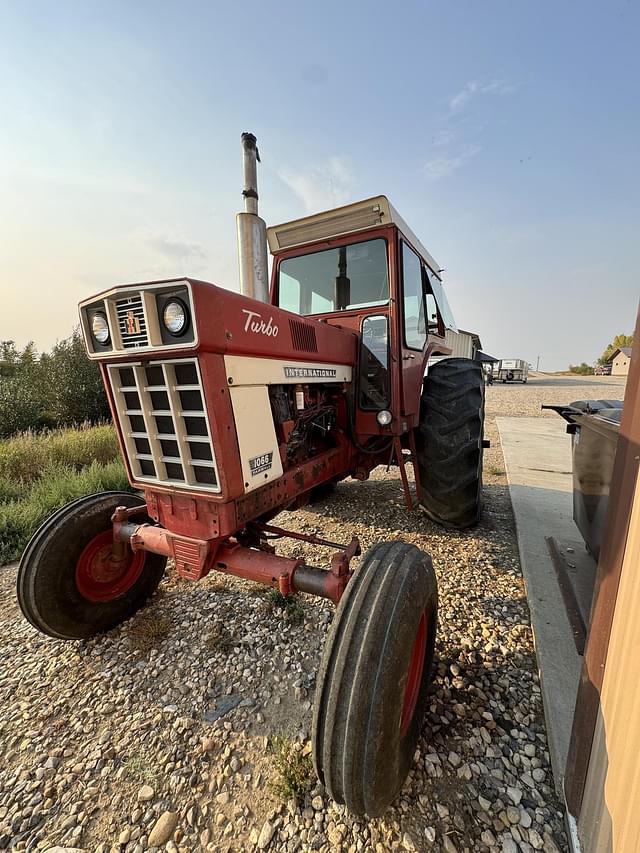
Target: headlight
{"points": [[175, 317], [100, 328], [384, 418]]}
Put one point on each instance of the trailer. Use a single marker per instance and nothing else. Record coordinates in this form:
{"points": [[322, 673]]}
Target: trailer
{"points": [[513, 370]]}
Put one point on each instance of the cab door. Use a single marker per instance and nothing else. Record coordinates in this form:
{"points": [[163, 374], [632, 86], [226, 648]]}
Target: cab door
{"points": [[412, 331]]}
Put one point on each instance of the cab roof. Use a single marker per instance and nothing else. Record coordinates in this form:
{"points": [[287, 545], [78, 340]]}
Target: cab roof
{"points": [[368, 213]]}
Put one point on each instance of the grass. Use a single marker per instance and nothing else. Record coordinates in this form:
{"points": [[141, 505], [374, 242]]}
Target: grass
{"points": [[25, 458], [29, 504], [290, 605], [41, 472], [293, 768]]}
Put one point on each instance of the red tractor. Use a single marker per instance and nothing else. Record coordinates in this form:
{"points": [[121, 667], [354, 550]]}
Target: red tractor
{"points": [[231, 407]]}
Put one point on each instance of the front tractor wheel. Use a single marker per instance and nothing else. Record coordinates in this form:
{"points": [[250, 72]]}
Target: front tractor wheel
{"points": [[372, 684], [68, 587]]}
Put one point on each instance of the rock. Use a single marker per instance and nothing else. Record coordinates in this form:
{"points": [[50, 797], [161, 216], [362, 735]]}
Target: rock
{"points": [[508, 845], [317, 803], [407, 843], [453, 759], [266, 834], [513, 814], [448, 845], [538, 774], [515, 795], [146, 793], [208, 744], [163, 829], [59, 849]]}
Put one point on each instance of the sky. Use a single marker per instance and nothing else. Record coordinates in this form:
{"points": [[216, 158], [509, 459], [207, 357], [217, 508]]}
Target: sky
{"points": [[506, 134]]}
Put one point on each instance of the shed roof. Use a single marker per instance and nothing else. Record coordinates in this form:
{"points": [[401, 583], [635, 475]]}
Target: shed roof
{"points": [[485, 358], [624, 350]]}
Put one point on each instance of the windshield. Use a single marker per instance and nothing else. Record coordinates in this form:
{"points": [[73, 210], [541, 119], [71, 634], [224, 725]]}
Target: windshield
{"points": [[443, 302], [353, 276]]}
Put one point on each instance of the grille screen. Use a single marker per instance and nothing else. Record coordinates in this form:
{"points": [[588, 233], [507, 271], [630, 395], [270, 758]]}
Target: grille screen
{"points": [[132, 322], [303, 336], [161, 410]]}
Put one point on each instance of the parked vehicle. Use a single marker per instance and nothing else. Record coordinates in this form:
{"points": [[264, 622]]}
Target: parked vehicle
{"points": [[513, 370], [231, 407], [603, 370]]}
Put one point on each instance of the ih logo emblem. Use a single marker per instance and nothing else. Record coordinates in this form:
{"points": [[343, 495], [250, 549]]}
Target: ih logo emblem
{"points": [[260, 464], [133, 324]]}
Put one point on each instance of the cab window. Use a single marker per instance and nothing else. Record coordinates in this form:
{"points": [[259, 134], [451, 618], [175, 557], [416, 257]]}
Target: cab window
{"points": [[337, 279], [415, 331]]}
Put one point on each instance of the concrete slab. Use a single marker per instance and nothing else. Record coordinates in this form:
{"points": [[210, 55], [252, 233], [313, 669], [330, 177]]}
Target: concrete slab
{"points": [[537, 455]]}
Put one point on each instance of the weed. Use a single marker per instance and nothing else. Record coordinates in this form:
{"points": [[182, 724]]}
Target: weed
{"points": [[293, 767], [290, 605], [219, 638], [147, 630], [140, 768], [494, 470]]}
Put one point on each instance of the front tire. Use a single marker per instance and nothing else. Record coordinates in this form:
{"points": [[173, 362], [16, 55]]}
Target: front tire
{"points": [[372, 685], [65, 586], [449, 443]]}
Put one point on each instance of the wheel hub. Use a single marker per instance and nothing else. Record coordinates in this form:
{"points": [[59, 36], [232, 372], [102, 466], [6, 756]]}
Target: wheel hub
{"points": [[101, 578], [414, 676]]}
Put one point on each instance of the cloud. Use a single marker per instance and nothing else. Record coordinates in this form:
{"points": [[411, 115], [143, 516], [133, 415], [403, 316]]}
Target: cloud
{"points": [[322, 187], [473, 88], [441, 166], [175, 249]]}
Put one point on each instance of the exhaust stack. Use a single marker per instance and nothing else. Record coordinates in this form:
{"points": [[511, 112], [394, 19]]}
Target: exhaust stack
{"points": [[252, 231]]}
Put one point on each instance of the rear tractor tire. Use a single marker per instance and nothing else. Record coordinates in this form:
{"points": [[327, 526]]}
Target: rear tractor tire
{"points": [[449, 442], [372, 685], [66, 586]]}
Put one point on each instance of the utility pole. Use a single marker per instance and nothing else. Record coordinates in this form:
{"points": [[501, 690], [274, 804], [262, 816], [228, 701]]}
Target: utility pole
{"points": [[538, 364]]}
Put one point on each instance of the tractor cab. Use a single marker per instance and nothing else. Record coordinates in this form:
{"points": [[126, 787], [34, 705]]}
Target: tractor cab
{"points": [[362, 268]]}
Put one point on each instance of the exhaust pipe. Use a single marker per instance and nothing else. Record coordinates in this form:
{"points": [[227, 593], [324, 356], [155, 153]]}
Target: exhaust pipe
{"points": [[252, 231]]}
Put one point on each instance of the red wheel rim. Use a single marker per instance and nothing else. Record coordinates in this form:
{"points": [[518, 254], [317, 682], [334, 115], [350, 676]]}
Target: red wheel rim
{"points": [[414, 676], [98, 578]]}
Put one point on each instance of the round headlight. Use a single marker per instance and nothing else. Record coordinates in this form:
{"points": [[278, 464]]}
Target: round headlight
{"points": [[100, 328], [384, 418], [175, 317]]}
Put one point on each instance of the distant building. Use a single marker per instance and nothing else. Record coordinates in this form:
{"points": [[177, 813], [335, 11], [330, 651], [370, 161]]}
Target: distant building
{"points": [[620, 361], [463, 344]]}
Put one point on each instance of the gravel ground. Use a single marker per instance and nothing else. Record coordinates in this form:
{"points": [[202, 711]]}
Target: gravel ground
{"points": [[159, 734]]}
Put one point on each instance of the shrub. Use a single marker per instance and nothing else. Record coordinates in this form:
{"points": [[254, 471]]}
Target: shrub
{"points": [[583, 369]]}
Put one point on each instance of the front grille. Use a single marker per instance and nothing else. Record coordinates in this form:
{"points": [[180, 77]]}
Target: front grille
{"points": [[162, 415], [131, 322]]}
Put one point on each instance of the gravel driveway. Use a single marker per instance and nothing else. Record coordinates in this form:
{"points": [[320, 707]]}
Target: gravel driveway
{"points": [[158, 735]]}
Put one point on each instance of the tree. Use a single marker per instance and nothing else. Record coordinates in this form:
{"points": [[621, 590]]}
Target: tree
{"points": [[59, 388], [617, 343]]}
